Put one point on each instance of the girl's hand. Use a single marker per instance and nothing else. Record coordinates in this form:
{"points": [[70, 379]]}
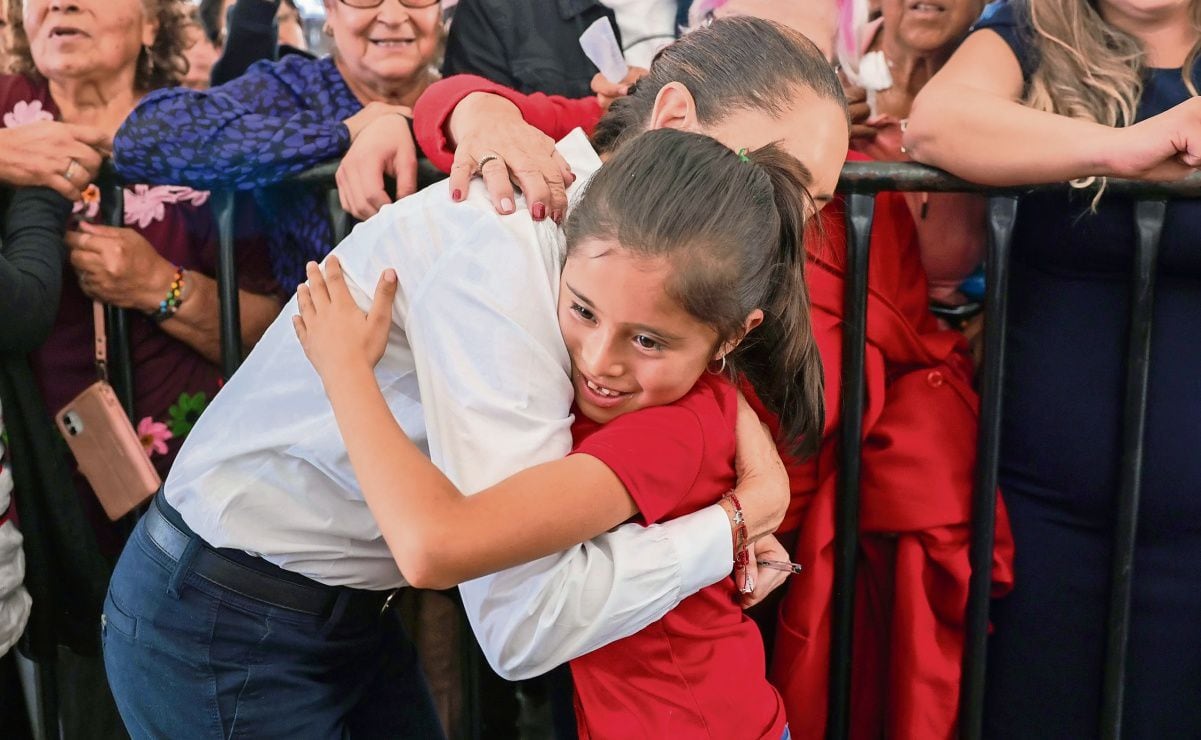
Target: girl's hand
{"points": [[755, 583], [118, 266], [332, 329], [489, 128]]}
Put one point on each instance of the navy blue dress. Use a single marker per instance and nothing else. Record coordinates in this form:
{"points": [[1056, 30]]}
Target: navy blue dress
{"points": [[1068, 326]]}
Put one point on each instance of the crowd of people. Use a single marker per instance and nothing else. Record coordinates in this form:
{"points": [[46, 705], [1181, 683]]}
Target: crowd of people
{"points": [[593, 378]]}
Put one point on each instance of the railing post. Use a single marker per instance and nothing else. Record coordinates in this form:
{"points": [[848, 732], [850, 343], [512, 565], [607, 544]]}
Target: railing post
{"points": [[225, 206], [1002, 212], [860, 207], [1148, 223], [339, 219], [120, 362]]}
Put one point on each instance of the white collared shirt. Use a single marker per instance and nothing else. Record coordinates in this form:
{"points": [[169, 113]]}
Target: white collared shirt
{"points": [[476, 374]]}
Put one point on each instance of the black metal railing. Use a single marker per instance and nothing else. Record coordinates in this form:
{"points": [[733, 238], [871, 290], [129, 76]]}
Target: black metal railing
{"points": [[860, 183]]}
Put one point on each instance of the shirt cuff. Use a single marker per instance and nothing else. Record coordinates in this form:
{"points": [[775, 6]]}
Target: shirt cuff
{"points": [[703, 547]]}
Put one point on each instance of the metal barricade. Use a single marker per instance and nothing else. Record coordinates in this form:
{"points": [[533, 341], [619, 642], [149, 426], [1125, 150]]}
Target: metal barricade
{"points": [[860, 183]]}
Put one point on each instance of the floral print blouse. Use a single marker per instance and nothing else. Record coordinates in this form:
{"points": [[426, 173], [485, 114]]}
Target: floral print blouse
{"points": [[172, 382]]}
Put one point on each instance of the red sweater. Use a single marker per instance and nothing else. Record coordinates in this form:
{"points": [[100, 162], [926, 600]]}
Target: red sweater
{"points": [[918, 457], [553, 115], [700, 671]]}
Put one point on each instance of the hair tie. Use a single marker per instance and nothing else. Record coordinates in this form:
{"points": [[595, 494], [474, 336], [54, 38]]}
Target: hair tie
{"points": [[742, 157]]}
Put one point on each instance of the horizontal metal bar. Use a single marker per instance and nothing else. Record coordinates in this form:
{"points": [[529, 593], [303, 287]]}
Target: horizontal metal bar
{"points": [[874, 177]]}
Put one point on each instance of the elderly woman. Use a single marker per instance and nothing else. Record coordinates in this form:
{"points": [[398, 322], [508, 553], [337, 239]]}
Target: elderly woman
{"points": [[82, 66], [283, 117], [890, 59]]}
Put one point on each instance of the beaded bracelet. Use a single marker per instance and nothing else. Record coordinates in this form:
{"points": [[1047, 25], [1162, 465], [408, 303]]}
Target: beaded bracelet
{"points": [[174, 298], [741, 556]]}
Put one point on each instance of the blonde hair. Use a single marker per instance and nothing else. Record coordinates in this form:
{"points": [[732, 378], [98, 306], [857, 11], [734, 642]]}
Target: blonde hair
{"points": [[1088, 69]]}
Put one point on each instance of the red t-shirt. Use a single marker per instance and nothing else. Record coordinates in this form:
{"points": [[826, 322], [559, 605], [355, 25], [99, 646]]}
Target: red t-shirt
{"points": [[699, 671]]}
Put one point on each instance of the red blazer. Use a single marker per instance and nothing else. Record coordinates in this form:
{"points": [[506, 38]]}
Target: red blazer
{"points": [[919, 450]]}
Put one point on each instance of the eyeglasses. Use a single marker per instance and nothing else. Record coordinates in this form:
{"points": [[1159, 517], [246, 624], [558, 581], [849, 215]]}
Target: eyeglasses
{"points": [[410, 4]]}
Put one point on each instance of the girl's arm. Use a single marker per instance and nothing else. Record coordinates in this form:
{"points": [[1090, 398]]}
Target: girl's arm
{"points": [[438, 536], [969, 120]]}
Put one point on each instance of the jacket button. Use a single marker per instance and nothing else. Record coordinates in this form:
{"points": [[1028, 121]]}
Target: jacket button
{"points": [[934, 378]]}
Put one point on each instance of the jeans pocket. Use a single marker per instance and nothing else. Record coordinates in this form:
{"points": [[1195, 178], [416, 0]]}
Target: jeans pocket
{"points": [[114, 617]]}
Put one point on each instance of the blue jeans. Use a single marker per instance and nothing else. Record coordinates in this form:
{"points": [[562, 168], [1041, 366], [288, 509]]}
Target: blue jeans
{"points": [[187, 658]]}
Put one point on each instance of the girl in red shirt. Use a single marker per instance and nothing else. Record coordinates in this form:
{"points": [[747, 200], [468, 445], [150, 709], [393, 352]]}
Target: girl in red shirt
{"points": [[684, 272]]}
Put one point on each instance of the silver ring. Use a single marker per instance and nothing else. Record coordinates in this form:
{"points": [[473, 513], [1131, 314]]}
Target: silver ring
{"points": [[479, 167], [70, 167]]}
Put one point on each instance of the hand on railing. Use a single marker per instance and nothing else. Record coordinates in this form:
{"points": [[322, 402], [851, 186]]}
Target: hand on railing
{"points": [[1162, 148], [383, 148], [492, 139]]}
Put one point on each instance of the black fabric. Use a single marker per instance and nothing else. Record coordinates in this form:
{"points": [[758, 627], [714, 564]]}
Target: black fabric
{"points": [[528, 45], [251, 34], [65, 574]]}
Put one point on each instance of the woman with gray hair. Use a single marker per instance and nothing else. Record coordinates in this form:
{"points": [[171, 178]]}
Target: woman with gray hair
{"points": [[81, 67]]}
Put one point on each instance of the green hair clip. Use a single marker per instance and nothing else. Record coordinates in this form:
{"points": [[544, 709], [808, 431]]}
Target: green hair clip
{"points": [[743, 157]]}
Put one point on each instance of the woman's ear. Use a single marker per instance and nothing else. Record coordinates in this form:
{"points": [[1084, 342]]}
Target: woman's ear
{"points": [[753, 320], [149, 31], [674, 108]]}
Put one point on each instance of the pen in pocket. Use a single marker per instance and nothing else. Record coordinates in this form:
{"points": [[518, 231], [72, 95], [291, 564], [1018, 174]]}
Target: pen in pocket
{"points": [[783, 565]]}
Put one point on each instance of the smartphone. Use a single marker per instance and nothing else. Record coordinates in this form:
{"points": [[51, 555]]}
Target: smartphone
{"points": [[108, 450]]}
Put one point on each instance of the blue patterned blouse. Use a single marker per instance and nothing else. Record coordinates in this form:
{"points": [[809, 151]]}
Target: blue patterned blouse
{"points": [[278, 119]]}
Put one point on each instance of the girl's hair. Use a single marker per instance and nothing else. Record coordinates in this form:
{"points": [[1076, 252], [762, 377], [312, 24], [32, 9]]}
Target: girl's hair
{"points": [[1087, 68], [732, 226], [162, 64], [739, 63]]}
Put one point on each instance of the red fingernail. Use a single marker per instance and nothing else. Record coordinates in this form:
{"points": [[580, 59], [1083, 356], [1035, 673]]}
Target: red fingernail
{"points": [[539, 211], [456, 195], [557, 217], [570, 178]]}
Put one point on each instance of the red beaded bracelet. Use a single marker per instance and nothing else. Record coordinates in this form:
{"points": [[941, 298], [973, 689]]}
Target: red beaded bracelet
{"points": [[741, 556]]}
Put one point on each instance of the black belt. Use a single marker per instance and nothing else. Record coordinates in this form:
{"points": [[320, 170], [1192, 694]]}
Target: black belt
{"points": [[255, 580]]}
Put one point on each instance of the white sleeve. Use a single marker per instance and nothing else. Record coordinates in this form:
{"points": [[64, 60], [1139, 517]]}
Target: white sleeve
{"points": [[493, 377]]}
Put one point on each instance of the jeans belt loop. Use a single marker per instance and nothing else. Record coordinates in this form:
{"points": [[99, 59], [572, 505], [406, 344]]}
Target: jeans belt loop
{"points": [[183, 567]]}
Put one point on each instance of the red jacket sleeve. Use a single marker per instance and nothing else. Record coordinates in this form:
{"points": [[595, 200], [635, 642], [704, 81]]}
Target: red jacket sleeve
{"points": [[553, 115]]}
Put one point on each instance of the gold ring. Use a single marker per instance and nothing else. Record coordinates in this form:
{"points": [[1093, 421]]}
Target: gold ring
{"points": [[70, 167], [479, 168]]}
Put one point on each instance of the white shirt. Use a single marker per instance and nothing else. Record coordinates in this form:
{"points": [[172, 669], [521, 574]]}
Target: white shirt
{"points": [[476, 374]]}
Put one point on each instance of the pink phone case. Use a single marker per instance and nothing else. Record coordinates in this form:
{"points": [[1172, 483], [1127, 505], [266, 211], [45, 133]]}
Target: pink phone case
{"points": [[108, 450]]}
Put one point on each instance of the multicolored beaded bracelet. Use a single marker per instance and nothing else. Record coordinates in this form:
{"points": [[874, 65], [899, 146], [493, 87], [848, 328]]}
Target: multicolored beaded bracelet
{"points": [[174, 298]]}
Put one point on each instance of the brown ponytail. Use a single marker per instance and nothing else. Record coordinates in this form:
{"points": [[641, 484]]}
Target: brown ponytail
{"points": [[732, 225], [780, 358]]}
